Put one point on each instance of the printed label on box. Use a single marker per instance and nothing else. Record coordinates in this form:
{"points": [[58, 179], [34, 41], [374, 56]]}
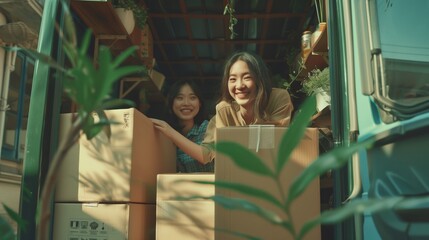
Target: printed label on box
{"points": [[86, 238], [82, 229]]}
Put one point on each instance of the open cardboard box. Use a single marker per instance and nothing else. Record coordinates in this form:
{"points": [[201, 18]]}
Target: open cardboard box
{"points": [[264, 142], [122, 221], [119, 164]]}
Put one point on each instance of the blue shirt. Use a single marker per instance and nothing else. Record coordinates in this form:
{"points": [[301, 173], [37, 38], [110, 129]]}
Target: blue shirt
{"points": [[187, 164]]}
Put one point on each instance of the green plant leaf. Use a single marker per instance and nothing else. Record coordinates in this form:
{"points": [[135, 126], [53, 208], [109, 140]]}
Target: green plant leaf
{"points": [[104, 79], [243, 157], [123, 56], [91, 129], [330, 160], [358, 206], [245, 189], [39, 56], [6, 230], [15, 216], [124, 71], [85, 43], [295, 132], [69, 27]]}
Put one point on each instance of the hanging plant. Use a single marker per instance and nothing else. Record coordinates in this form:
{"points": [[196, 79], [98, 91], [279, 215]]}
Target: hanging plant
{"points": [[229, 9], [140, 13]]}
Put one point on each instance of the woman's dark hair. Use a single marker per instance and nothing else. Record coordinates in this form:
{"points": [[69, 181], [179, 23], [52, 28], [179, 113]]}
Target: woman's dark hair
{"points": [[172, 94], [260, 74]]}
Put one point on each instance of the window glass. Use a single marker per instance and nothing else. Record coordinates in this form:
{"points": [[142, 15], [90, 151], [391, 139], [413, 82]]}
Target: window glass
{"points": [[404, 35], [16, 116]]}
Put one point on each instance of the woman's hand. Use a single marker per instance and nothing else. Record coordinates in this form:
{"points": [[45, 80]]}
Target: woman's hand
{"points": [[189, 147], [163, 126]]}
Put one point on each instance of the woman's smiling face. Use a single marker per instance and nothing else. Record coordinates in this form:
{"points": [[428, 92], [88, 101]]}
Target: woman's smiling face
{"points": [[241, 84], [186, 104]]}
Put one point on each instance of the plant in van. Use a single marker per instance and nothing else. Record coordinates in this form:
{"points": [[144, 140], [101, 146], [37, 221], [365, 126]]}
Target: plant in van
{"points": [[333, 159], [317, 81], [90, 88], [140, 13]]}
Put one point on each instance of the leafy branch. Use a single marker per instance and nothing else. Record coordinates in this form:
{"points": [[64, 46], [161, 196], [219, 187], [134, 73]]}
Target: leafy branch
{"points": [[229, 9], [89, 87], [334, 159]]}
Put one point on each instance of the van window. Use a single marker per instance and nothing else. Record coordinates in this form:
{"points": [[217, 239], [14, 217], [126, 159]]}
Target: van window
{"points": [[402, 81]]}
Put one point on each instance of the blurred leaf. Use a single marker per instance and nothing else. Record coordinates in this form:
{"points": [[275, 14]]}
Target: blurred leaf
{"points": [[331, 160], [243, 158], [358, 206], [295, 132], [248, 190], [39, 56], [85, 43], [15, 217], [90, 88], [92, 129], [6, 230], [69, 27], [124, 71], [412, 203], [123, 56]]}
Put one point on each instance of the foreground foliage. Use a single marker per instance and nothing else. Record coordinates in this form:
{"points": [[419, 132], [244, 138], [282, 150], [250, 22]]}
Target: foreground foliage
{"points": [[89, 87], [333, 159]]}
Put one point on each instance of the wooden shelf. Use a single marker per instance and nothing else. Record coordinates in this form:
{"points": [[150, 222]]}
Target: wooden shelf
{"points": [[102, 19], [109, 31], [321, 44], [317, 57]]}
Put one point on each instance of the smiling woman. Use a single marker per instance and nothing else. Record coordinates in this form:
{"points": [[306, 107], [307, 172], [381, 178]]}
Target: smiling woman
{"points": [[247, 94], [247, 98], [187, 125]]}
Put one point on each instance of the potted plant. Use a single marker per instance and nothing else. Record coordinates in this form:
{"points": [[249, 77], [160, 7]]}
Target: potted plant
{"points": [[140, 13], [317, 83]]}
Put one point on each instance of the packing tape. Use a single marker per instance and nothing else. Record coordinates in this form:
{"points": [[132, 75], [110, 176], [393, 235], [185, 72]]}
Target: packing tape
{"points": [[261, 137]]}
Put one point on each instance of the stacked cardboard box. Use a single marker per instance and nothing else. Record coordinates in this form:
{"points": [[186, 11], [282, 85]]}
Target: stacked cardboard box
{"points": [[264, 142], [104, 221], [110, 180], [185, 218]]}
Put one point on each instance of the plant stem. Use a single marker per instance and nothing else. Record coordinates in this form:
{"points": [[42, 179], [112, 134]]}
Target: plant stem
{"points": [[286, 208], [51, 178]]}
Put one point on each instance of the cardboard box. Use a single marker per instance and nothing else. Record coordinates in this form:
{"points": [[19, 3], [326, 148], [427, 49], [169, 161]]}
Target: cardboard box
{"points": [[264, 141], [104, 221], [119, 164], [184, 219]]}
